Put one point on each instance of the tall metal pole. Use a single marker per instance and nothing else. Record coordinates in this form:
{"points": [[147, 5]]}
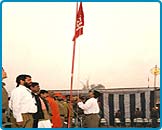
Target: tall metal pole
{"points": [[155, 71], [154, 80]]}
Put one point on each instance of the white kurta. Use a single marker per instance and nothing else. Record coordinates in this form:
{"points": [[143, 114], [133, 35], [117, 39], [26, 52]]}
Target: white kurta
{"points": [[22, 101], [90, 106]]}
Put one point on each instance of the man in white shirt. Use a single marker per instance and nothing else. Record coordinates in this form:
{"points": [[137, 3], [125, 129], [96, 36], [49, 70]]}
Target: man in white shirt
{"points": [[22, 103], [91, 110]]}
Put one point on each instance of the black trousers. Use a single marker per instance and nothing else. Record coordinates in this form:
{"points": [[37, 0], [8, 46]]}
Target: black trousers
{"points": [[35, 123]]}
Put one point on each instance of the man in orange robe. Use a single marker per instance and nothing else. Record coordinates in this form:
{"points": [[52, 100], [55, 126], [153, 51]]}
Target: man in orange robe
{"points": [[56, 120]]}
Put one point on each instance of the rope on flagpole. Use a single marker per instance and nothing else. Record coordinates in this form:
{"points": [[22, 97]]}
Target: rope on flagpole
{"points": [[78, 83]]}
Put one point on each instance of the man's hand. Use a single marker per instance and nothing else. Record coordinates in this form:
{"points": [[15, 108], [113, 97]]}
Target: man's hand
{"points": [[79, 100]]}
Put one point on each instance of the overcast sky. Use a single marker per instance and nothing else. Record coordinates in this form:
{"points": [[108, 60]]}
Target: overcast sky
{"points": [[119, 46]]}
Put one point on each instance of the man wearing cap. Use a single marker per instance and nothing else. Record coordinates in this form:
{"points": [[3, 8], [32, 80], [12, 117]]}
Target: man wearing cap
{"points": [[91, 110]]}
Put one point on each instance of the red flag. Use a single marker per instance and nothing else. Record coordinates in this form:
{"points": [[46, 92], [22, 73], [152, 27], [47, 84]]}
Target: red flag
{"points": [[79, 22]]}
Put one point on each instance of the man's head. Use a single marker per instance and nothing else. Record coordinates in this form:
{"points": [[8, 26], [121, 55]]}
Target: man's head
{"points": [[43, 93], [4, 74], [90, 94], [51, 93], [94, 93], [58, 96], [24, 79], [137, 109], [35, 87]]}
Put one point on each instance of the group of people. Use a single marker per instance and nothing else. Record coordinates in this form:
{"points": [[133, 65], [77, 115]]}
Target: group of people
{"points": [[154, 115], [31, 107]]}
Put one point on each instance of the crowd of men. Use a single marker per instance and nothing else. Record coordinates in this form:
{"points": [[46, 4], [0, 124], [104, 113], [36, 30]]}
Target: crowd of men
{"points": [[154, 116], [31, 107]]}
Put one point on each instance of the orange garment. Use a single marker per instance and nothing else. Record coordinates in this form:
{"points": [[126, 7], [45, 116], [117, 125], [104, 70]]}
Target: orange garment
{"points": [[56, 120]]}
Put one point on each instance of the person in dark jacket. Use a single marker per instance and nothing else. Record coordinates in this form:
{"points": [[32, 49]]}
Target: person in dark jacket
{"points": [[43, 115], [118, 114], [154, 115], [138, 113]]}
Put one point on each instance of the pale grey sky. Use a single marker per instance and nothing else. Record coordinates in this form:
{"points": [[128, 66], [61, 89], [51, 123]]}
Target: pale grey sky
{"points": [[119, 46]]}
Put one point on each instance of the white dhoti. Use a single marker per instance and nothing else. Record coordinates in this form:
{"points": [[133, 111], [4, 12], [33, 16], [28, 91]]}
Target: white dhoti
{"points": [[44, 124]]}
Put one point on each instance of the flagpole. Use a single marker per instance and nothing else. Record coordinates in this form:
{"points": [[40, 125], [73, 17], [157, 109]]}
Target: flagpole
{"points": [[72, 69]]}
